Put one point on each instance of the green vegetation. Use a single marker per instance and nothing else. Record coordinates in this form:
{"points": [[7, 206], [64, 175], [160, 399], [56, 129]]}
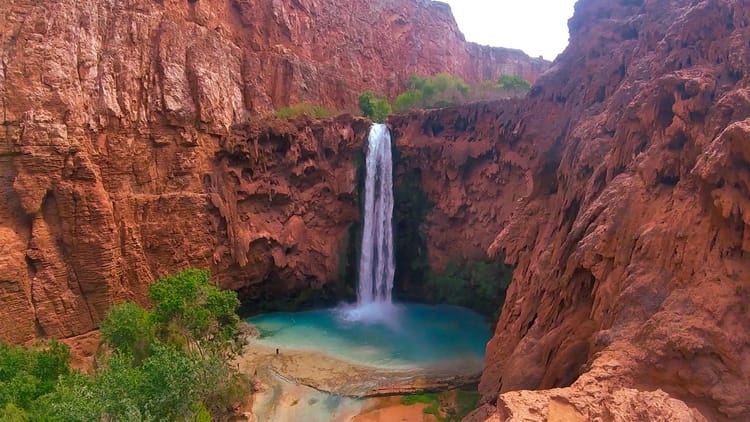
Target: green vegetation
{"points": [[170, 363], [374, 106], [410, 210], [26, 375], [514, 83], [431, 399], [466, 402], [479, 285], [449, 406], [476, 284], [441, 90], [312, 110]]}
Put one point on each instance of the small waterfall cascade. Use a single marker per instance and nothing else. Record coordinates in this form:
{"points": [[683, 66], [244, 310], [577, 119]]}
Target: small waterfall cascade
{"points": [[377, 262]]}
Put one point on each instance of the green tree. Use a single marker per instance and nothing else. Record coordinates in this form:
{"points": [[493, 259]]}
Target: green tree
{"points": [[170, 364], [26, 375], [514, 83], [441, 90], [129, 329], [374, 106], [191, 312], [409, 100]]}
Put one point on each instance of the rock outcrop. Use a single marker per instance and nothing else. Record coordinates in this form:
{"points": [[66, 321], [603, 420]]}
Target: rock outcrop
{"points": [[621, 193]]}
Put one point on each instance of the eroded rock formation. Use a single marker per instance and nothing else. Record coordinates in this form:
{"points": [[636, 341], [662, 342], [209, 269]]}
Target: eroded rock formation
{"points": [[625, 216], [89, 222]]}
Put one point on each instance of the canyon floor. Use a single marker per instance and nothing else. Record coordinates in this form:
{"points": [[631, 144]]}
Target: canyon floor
{"points": [[284, 380]]}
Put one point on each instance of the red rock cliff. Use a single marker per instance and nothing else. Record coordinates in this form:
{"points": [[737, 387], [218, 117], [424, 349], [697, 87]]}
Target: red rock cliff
{"points": [[619, 189], [118, 164]]}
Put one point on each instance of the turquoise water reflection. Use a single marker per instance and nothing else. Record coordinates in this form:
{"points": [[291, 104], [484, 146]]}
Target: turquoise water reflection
{"points": [[397, 336]]}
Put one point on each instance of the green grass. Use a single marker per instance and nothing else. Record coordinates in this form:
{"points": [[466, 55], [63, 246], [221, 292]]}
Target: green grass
{"points": [[431, 399], [464, 402], [312, 110]]}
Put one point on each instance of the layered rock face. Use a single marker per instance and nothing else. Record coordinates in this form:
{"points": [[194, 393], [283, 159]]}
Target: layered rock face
{"points": [[90, 222], [210, 62], [621, 187], [118, 164]]}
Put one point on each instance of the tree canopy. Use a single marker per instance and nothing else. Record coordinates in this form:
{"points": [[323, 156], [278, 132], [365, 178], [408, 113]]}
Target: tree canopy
{"points": [[170, 363]]}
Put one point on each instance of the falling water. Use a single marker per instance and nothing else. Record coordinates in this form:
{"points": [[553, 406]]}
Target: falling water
{"points": [[376, 264]]}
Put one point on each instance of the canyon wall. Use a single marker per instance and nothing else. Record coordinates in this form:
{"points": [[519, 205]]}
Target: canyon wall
{"points": [[619, 190], [125, 151]]}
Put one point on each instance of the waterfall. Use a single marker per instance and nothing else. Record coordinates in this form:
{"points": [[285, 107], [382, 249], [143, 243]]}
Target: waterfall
{"points": [[376, 263]]}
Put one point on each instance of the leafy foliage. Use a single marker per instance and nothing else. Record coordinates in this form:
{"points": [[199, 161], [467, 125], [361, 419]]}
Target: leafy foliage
{"points": [[172, 363], [479, 285], [441, 90], [514, 83], [409, 100], [312, 110], [128, 328], [26, 375], [444, 90], [374, 106], [190, 311]]}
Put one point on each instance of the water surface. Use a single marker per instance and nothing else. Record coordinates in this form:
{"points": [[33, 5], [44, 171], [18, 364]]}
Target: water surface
{"points": [[384, 335]]}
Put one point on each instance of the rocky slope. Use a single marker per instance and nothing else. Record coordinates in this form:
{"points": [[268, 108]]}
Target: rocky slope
{"points": [[118, 164], [621, 187]]}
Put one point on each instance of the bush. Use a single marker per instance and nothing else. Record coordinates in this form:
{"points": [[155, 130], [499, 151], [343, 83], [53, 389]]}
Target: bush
{"points": [[441, 90], [451, 406], [514, 83], [409, 100], [432, 400], [374, 106], [312, 110]]}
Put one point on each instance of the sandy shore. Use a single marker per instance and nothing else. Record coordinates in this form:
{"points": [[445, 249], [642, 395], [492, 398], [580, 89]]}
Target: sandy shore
{"points": [[390, 409], [329, 374]]}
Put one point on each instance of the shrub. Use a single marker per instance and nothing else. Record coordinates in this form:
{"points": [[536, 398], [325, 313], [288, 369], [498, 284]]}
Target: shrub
{"points": [[514, 83], [442, 406], [312, 110], [441, 90], [432, 400], [409, 100], [374, 106]]}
